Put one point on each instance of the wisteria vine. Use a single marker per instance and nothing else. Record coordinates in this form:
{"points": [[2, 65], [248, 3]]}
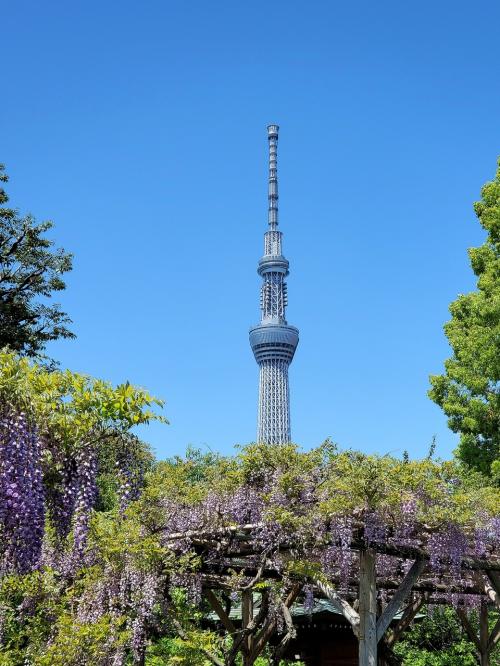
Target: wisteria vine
{"points": [[22, 508], [280, 524]]}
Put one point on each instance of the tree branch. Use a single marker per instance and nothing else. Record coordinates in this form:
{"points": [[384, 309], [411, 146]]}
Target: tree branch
{"points": [[397, 600], [270, 626], [469, 629], [217, 607]]}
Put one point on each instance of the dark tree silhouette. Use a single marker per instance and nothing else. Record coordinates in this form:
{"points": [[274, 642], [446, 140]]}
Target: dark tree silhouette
{"points": [[30, 272]]}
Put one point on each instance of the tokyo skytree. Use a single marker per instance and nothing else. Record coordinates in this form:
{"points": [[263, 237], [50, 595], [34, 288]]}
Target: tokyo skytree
{"points": [[273, 341]]}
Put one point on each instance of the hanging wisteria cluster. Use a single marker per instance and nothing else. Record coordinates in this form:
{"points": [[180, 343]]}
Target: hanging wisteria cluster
{"points": [[86, 463], [21, 493], [129, 592], [130, 470], [61, 489]]}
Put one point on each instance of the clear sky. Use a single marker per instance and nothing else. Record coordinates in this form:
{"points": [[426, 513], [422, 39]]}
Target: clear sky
{"points": [[140, 129]]}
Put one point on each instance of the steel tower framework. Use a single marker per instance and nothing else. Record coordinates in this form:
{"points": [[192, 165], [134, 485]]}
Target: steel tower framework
{"points": [[273, 341]]}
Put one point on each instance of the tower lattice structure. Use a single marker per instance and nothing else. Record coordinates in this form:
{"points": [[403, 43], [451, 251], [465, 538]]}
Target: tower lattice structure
{"points": [[273, 341]]}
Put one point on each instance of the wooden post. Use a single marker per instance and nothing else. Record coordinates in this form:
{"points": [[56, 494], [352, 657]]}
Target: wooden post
{"points": [[246, 618], [367, 609], [483, 634]]}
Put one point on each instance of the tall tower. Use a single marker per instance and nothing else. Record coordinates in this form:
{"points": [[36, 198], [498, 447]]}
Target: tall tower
{"points": [[273, 341]]}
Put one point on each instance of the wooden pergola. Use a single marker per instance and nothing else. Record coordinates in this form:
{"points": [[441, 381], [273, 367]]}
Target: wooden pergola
{"points": [[230, 551]]}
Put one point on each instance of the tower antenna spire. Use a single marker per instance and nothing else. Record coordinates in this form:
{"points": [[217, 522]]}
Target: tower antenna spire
{"points": [[272, 215], [273, 341]]}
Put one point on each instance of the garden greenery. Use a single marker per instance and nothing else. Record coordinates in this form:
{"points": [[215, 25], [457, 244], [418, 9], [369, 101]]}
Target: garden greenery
{"points": [[105, 555]]}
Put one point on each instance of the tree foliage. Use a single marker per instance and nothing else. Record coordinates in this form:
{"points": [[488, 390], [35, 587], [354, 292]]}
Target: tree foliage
{"points": [[30, 272], [61, 433], [438, 639], [469, 390]]}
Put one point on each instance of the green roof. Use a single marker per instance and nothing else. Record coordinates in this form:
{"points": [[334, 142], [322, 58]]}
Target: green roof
{"points": [[297, 610]]}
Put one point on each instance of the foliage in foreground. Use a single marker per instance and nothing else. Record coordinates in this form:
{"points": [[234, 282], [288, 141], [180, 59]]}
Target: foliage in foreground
{"points": [[92, 568], [439, 640], [468, 391], [175, 651]]}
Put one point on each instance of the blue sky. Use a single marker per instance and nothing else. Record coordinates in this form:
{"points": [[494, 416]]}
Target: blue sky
{"points": [[140, 129]]}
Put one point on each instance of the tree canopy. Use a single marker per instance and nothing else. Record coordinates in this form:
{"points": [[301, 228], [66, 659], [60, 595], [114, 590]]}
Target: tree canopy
{"points": [[469, 389], [30, 273]]}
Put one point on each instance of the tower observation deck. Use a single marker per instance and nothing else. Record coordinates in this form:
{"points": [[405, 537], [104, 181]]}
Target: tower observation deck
{"points": [[273, 341]]}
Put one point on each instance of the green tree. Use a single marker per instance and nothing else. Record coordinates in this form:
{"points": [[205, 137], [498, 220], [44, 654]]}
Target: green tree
{"points": [[438, 640], [469, 390], [30, 272]]}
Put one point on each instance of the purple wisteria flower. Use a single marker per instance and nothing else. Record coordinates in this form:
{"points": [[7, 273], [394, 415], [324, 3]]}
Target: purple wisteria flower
{"points": [[22, 513]]}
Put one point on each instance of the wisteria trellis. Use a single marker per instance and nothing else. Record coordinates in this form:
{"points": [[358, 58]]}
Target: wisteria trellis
{"points": [[273, 524]]}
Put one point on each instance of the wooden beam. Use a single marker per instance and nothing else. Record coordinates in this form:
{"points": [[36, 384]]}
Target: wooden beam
{"points": [[397, 600], [423, 585], [415, 553], [367, 609], [469, 629], [491, 594], [494, 636], [494, 577], [406, 619], [242, 534], [340, 604], [217, 607]]}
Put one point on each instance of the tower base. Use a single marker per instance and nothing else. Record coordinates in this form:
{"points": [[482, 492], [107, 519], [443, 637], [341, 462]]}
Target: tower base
{"points": [[274, 403]]}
